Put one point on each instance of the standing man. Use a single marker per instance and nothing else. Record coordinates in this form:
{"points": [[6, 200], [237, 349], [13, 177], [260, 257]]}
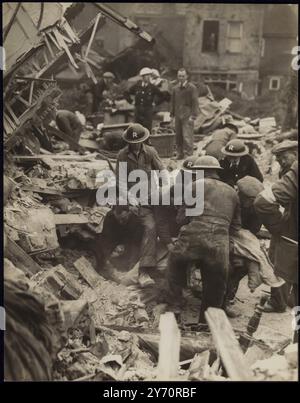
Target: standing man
{"points": [[237, 163], [284, 230], [139, 155], [105, 85], [185, 109], [205, 240], [146, 96]]}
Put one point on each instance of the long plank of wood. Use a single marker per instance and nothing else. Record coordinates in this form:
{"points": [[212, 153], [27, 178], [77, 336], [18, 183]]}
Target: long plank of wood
{"points": [[227, 345], [87, 143], [20, 258], [64, 219], [169, 348], [87, 271]]}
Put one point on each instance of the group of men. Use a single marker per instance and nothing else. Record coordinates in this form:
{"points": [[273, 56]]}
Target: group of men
{"points": [[234, 198]]}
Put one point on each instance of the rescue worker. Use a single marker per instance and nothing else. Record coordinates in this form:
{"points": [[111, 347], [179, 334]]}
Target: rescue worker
{"points": [[286, 153], [248, 188], [237, 163], [120, 227], [146, 96], [283, 227], [139, 155], [104, 87], [205, 240], [69, 123], [219, 139], [185, 109]]}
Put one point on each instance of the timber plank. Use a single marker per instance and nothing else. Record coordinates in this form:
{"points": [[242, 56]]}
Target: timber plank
{"points": [[227, 345]]}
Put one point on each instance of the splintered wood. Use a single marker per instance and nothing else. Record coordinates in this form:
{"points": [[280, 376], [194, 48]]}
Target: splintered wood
{"points": [[169, 348], [87, 272], [227, 345]]}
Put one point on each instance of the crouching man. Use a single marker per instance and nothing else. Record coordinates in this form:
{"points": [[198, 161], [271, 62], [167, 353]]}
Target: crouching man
{"points": [[205, 240]]}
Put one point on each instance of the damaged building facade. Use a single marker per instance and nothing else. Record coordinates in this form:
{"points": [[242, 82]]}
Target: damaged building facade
{"points": [[232, 48]]}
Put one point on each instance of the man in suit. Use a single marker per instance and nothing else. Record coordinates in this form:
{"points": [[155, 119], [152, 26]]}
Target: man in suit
{"points": [[237, 163], [185, 109]]}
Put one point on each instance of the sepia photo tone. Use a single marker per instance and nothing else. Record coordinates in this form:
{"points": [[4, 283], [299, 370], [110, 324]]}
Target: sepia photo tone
{"points": [[150, 181]]}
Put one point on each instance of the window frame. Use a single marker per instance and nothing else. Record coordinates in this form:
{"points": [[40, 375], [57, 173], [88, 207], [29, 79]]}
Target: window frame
{"points": [[272, 78], [203, 23], [228, 37]]}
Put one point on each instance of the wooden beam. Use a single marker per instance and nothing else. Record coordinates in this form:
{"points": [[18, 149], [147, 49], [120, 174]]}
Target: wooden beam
{"points": [[45, 80], [227, 345], [169, 348], [9, 25], [87, 271], [31, 92], [92, 35], [64, 219], [20, 258]]}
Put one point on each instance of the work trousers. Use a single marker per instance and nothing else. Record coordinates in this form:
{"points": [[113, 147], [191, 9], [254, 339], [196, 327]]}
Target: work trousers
{"points": [[184, 129], [211, 254], [144, 116], [146, 220]]}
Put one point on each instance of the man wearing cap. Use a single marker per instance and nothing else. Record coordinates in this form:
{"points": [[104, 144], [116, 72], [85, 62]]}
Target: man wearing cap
{"points": [[248, 188], [283, 227], [205, 240], [146, 96], [140, 156], [185, 109], [105, 85], [219, 139], [237, 163], [286, 153]]}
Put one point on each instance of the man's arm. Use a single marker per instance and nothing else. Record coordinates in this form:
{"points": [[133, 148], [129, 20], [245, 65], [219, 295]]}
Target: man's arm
{"points": [[236, 222], [285, 190], [195, 103], [255, 171], [172, 109]]}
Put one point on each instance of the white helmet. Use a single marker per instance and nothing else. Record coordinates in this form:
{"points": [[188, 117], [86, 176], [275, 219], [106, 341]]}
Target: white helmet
{"points": [[155, 73], [145, 71]]}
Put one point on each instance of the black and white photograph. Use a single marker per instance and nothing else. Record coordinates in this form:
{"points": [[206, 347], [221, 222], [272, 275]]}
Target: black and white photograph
{"points": [[150, 194]]}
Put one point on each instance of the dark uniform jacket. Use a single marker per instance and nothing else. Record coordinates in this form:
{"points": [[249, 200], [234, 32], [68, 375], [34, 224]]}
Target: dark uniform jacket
{"points": [[147, 160], [184, 101], [219, 139], [221, 218], [146, 96], [246, 167], [283, 254]]}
